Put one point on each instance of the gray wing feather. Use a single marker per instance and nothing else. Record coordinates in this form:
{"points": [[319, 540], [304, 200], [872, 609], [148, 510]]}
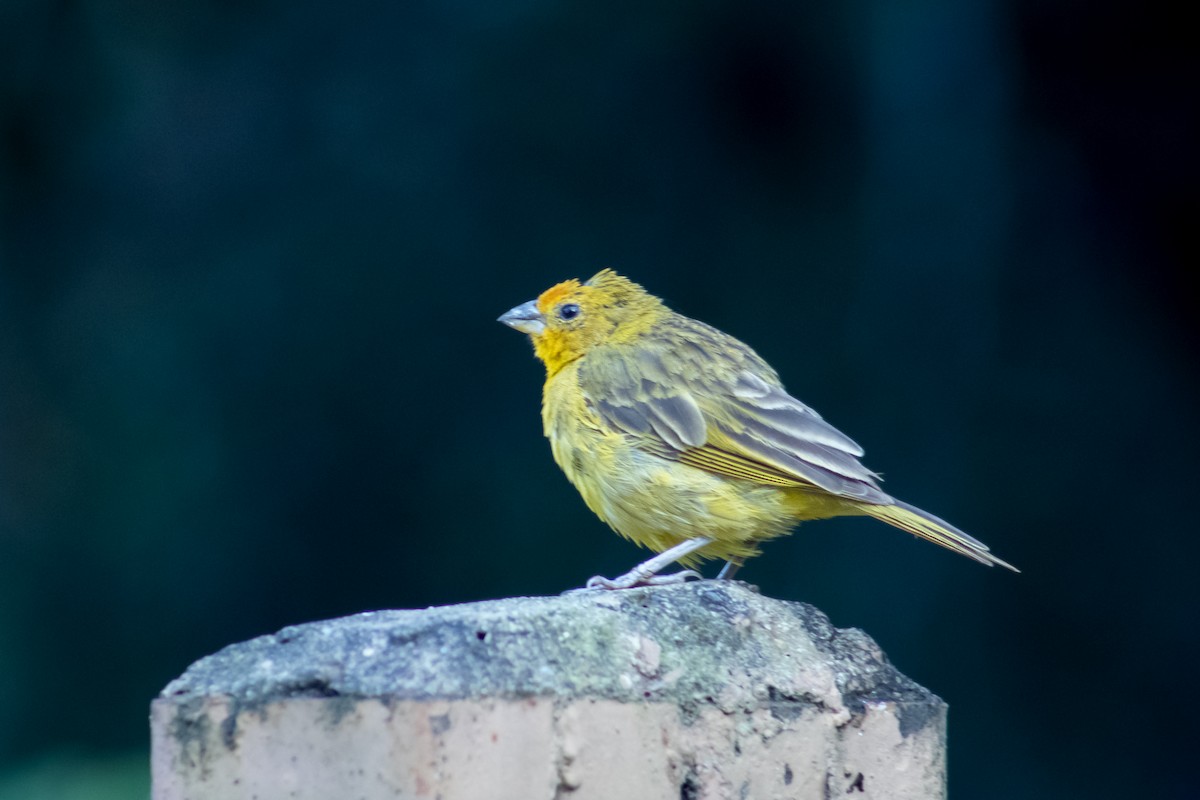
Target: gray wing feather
{"points": [[681, 406]]}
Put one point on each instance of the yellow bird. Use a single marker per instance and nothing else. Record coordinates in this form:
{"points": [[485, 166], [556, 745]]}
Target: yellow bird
{"points": [[684, 440]]}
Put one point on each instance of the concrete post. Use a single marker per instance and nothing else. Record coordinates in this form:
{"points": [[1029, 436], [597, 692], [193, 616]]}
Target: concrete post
{"points": [[698, 692]]}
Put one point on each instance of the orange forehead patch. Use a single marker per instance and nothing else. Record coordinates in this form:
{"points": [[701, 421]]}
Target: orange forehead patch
{"points": [[555, 293]]}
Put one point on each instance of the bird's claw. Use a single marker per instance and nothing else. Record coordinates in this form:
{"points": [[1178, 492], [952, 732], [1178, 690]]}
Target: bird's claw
{"points": [[634, 578], [683, 576]]}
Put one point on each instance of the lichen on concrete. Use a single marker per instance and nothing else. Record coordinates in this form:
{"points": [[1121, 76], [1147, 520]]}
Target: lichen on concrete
{"points": [[709, 683], [700, 643]]}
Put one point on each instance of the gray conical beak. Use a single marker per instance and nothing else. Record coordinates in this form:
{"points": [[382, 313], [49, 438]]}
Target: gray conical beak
{"points": [[526, 318]]}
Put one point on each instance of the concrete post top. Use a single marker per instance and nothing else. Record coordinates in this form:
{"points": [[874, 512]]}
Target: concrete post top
{"points": [[701, 691], [701, 644]]}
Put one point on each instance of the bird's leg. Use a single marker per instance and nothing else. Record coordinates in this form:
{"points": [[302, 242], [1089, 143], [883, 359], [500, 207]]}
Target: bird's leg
{"points": [[646, 573], [727, 572]]}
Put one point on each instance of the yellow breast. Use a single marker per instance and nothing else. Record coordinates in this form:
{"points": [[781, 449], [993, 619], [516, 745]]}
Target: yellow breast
{"points": [[653, 501]]}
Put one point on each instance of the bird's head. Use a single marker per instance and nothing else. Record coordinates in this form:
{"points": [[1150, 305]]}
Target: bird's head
{"points": [[570, 318]]}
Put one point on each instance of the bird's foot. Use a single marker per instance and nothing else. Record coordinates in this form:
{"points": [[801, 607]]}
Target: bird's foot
{"points": [[646, 573], [636, 577]]}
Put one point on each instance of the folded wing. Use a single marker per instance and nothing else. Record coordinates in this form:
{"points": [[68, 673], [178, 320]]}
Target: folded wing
{"points": [[717, 406]]}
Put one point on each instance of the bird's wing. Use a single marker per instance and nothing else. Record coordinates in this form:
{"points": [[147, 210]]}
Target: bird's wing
{"points": [[721, 409]]}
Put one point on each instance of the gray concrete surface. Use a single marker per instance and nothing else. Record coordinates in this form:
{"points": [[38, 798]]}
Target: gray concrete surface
{"points": [[701, 691]]}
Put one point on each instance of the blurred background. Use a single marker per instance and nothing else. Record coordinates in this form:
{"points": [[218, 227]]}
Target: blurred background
{"points": [[251, 257]]}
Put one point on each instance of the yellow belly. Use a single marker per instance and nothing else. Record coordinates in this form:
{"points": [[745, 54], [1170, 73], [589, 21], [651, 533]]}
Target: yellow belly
{"points": [[659, 503]]}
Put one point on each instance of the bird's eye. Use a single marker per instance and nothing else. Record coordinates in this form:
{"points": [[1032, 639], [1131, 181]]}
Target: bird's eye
{"points": [[568, 311]]}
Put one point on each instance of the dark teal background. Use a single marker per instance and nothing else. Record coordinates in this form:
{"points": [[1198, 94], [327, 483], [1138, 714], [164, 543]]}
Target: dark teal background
{"points": [[251, 255]]}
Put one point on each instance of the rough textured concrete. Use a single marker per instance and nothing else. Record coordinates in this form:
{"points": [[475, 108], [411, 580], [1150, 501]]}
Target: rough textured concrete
{"points": [[706, 690]]}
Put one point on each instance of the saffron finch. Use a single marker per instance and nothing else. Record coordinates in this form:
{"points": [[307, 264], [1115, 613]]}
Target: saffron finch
{"points": [[683, 439]]}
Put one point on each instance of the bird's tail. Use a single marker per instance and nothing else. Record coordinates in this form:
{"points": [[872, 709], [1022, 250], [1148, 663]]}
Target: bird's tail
{"points": [[927, 526]]}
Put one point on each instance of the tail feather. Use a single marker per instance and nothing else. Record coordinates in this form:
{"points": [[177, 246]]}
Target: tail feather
{"points": [[927, 526]]}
